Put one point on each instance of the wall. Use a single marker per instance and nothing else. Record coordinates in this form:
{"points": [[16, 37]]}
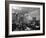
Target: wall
{"points": [[2, 19]]}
